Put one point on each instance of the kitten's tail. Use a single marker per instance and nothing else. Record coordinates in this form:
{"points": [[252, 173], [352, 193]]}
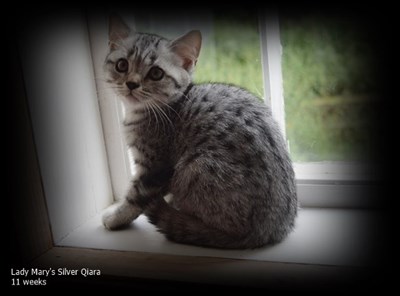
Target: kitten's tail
{"points": [[186, 229]]}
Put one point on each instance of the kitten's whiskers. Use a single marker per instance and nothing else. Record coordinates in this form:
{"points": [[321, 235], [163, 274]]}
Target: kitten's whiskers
{"points": [[153, 100], [152, 108]]}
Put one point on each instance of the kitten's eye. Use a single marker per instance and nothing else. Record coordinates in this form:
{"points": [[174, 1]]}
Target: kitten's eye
{"points": [[155, 74], [122, 66]]}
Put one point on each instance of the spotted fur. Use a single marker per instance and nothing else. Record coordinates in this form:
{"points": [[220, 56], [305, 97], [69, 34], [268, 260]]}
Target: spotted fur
{"points": [[214, 147]]}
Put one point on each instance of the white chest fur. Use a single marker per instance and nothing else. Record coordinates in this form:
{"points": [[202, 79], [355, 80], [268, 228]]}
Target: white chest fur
{"points": [[134, 118]]}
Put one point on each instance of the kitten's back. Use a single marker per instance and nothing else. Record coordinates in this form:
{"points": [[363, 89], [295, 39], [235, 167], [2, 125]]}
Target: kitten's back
{"points": [[233, 182]]}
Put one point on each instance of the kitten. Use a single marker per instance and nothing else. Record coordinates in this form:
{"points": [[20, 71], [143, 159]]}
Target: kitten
{"points": [[214, 147]]}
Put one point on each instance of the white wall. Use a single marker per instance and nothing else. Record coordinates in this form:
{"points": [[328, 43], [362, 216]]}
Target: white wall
{"points": [[61, 91]]}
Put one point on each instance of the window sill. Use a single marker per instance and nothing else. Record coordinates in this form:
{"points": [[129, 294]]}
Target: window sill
{"points": [[337, 237]]}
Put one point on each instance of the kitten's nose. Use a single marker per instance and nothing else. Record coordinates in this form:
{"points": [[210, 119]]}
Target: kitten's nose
{"points": [[132, 85]]}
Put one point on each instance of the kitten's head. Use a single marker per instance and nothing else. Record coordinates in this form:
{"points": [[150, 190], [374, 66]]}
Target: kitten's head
{"points": [[148, 68]]}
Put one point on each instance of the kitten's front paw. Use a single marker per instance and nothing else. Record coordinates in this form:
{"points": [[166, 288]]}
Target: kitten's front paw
{"points": [[120, 215]]}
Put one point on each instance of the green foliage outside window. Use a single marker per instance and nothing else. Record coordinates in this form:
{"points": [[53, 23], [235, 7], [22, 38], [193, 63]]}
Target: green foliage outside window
{"points": [[328, 74]]}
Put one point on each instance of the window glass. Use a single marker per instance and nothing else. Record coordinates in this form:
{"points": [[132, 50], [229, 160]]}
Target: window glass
{"points": [[330, 87], [328, 66], [232, 53]]}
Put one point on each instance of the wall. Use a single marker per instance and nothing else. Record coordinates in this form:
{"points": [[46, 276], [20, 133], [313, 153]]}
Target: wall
{"points": [[58, 74]]}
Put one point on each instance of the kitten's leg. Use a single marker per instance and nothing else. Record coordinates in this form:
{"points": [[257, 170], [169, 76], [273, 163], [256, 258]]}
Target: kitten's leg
{"points": [[150, 186], [122, 214], [186, 229]]}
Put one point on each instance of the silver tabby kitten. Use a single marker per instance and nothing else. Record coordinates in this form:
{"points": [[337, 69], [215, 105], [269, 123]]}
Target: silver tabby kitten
{"points": [[214, 147]]}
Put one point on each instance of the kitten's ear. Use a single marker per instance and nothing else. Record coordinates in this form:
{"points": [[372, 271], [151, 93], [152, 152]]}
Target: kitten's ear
{"points": [[188, 48], [117, 31]]}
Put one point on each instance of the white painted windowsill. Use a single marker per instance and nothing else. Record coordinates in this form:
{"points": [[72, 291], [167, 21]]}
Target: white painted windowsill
{"points": [[341, 237]]}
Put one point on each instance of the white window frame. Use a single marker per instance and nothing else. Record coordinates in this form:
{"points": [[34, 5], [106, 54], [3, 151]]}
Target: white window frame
{"points": [[111, 109], [322, 184]]}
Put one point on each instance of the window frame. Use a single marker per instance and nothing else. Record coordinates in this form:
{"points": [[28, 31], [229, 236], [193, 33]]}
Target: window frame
{"points": [[317, 183], [111, 109]]}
